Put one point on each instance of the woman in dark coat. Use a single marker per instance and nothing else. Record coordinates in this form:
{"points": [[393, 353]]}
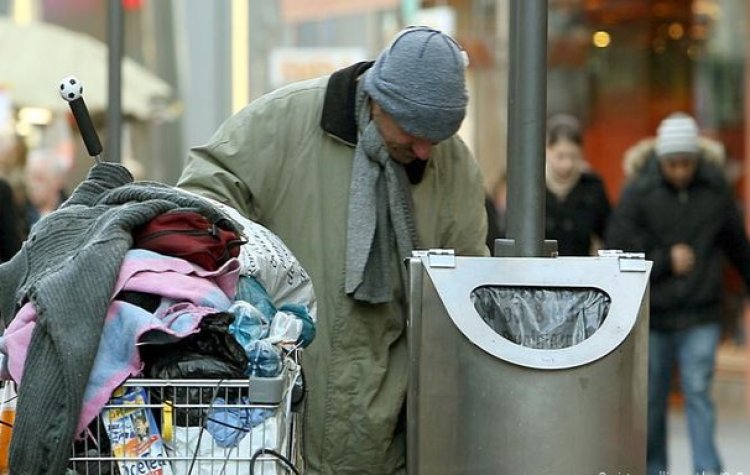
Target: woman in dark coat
{"points": [[577, 205]]}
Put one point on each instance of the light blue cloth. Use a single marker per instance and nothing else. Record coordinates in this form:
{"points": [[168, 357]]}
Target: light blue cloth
{"points": [[254, 313], [249, 323], [308, 326], [251, 291], [263, 359], [229, 425]]}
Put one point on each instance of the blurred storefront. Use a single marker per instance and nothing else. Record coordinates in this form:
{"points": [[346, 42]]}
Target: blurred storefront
{"points": [[621, 66]]}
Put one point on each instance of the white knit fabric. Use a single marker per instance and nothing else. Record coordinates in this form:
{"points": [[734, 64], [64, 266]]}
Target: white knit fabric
{"points": [[269, 260], [677, 134]]}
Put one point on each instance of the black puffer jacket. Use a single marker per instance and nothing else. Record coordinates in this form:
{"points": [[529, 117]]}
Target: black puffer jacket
{"points": [[652, 216]]}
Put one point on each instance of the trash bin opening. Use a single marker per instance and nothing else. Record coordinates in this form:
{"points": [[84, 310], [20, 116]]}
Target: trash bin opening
{"points": [[547, 318]]}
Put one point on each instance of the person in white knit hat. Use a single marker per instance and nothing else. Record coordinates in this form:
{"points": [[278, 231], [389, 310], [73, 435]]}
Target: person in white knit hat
{"points": [[677, 149], [680, 211]]}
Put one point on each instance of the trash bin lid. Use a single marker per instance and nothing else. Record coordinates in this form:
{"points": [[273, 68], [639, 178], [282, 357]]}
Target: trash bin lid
{"points": [[626, 288]]}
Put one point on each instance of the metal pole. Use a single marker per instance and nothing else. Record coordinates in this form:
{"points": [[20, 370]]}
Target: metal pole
{"points": [[526, 130], [114, 109], [513, 114]]}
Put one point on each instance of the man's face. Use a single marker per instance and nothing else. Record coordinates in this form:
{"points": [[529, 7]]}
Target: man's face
{"points": [[402, 146], [679, 170], [141, 428]]}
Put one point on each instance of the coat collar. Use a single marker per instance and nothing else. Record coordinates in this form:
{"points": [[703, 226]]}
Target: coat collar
{"points": [[339, 118]]}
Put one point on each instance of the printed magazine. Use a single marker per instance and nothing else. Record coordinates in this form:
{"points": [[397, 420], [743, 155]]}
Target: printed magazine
{"points": [[134, 435]]}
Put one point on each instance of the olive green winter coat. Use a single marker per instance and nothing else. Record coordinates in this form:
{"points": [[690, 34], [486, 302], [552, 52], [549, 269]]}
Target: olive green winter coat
{"points": [[285, 161]]}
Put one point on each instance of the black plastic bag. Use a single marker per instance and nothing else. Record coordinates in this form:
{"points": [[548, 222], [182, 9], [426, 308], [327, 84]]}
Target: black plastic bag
{"points": [[212, 353]]}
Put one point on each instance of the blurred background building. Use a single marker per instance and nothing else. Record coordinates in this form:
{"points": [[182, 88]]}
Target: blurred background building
{"points": [[619, 65]]}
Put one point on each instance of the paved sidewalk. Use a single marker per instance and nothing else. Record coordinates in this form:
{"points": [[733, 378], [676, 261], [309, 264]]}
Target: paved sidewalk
{"points": [[733, 424], [733, 431]]}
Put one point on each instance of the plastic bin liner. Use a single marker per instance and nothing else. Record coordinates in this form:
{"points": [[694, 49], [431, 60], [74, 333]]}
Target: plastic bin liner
{"points": [[542, 318]]}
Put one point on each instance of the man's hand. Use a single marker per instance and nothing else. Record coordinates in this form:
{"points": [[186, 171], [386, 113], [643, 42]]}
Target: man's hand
{"points": [[683, 259]]}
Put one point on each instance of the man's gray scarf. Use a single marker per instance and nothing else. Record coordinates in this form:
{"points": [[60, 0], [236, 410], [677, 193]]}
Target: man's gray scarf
{"points": [[380, 206]]}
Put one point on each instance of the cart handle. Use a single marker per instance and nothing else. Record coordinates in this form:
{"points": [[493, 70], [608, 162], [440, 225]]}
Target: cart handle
{"points": [[71, 89]]}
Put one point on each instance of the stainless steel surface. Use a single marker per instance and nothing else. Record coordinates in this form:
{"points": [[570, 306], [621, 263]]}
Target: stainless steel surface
{"points": [[441, 258], [483, 405], [629, 261], [602, 273], [507, 248], [526, 134], [413, 336]]}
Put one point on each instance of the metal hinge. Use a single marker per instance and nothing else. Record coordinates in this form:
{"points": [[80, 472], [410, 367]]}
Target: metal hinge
{"points": [[629, 261], [445, 258]]}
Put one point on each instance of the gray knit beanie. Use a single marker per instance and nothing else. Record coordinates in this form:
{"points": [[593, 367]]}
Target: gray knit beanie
{"points": [[677, 134], [419, 80]]}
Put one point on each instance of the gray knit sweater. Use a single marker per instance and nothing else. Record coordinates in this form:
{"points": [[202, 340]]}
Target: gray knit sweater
{"points": [[68, 268]]}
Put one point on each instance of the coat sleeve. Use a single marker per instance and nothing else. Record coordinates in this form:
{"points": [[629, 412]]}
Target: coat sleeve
{"points": [[208, 173], [244, 158], [734, 242], [468, 233], [627, 230]]}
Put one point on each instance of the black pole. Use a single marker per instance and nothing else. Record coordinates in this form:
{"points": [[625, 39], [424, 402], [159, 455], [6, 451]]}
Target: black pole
{"points": [[527, 90], [114, 109]]}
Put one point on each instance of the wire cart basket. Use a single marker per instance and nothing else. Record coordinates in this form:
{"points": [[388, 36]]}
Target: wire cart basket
{"points": [[196, 427]]}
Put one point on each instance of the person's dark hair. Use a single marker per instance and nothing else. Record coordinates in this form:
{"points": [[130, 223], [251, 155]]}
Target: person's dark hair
{"points": [[564, 126]]}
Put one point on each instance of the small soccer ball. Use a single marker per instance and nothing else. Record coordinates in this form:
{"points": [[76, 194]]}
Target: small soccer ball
{"points": [[71, 88]]}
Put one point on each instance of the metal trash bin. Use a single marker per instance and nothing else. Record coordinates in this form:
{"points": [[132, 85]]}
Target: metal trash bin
{"points": [[480, 404]]}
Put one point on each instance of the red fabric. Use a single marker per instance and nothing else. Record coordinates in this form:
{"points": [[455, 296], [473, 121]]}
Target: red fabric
{"points": [[190, 236]]}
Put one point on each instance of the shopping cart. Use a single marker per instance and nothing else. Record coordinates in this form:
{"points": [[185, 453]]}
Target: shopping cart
{"points": [[187, 415], [195, 427]]}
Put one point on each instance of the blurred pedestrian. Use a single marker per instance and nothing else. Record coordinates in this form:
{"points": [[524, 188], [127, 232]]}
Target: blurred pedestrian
{"points": [[10, 225], [577, 207], [679, 210], [353, 172], [45, 184], [13, 154]]}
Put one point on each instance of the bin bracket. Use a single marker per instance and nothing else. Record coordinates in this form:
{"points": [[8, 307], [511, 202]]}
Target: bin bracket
{"points": [[629, 261], [445, 258]]}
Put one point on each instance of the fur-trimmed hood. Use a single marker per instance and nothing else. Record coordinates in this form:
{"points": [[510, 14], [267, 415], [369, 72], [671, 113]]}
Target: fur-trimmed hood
{"points": [[637, 156]]}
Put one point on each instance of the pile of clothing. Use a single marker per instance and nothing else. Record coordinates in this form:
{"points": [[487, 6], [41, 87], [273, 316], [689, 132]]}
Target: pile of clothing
{"points": [[138, 279]]}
